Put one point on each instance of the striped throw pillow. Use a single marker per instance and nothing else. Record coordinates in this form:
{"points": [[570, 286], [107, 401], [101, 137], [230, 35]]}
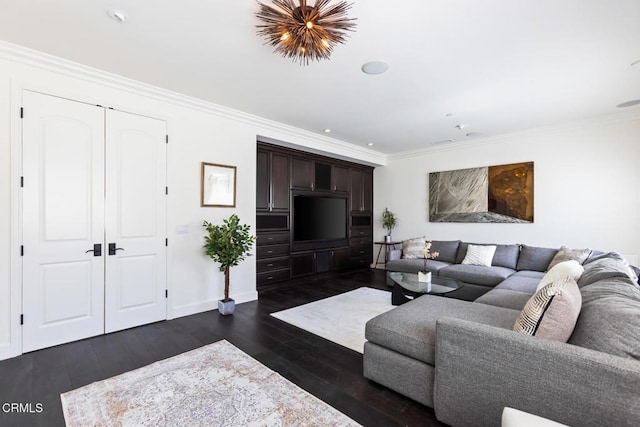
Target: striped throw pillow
{"points": [[552, 312]]}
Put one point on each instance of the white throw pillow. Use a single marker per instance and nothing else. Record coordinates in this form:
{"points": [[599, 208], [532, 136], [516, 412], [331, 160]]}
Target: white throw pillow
{"points": [[571, 269], [479, 255]]}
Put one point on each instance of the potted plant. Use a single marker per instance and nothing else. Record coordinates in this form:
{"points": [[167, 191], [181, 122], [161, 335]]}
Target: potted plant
{"points": [[389, 222], [425, 275], [227, 244]]}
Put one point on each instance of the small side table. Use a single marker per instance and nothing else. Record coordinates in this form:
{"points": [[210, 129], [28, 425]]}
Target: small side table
{"points": [[388, 246]]}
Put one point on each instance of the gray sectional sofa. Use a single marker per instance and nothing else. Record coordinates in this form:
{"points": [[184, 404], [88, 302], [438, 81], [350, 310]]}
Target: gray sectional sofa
{"points": [[462, 357]]}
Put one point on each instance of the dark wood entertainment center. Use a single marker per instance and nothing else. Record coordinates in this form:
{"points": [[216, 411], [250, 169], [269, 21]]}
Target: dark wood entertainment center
{"points": [[284, 173]]}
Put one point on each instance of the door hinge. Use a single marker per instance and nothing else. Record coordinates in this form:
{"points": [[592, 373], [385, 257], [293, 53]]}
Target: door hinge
{"points": [[21, 112], [21, 250], [22, 182], [166, 190], [166, 139], [22, 319], [166, 242], [166, 293]]}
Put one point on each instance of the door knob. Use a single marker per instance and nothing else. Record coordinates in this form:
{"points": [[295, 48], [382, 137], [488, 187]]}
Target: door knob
{"points": [[97, 250], [113, 249]]}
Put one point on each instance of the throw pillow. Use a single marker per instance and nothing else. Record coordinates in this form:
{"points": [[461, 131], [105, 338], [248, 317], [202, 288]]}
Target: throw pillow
{"points": [[566, 254], [412, 248], [552, 312], [564, 269], [479, 255]]}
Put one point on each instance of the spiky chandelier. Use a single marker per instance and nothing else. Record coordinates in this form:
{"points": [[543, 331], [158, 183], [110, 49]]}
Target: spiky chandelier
{"points": [[304, 33]]}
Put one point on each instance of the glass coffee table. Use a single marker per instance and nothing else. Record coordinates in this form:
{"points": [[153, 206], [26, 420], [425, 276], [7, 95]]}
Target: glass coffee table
{"points": [[407, 287]]}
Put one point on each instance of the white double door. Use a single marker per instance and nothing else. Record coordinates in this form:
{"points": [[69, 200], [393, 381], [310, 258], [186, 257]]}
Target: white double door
{"points": [[94, 220]]}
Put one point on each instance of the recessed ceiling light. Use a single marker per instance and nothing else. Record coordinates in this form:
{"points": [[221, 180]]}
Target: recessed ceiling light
{"points": [[449, 114], [370, 144], [327, 130], [375, 67], [474, 134], [461, 126], [634, 63], [444, 141], [117, 15], [631, 103]]}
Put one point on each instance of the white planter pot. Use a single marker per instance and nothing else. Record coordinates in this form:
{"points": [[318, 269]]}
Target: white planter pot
{"points": [[226, 308], [387, 239], [424, 277]]}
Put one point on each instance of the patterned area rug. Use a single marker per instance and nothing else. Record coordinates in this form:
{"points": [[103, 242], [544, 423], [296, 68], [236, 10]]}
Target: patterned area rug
{"points": [[340, 318], [215, 385]]}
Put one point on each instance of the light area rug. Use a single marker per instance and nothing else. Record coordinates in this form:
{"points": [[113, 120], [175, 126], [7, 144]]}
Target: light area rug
{"points": [[340, 318], [215, 385]]}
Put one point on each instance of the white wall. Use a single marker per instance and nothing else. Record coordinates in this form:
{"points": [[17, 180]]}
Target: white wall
{"points": [[586, 187], [198, 132]]}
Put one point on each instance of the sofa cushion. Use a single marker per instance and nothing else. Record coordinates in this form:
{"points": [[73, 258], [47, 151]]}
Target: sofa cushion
{"points": [[506, 298], [569, 268], [535, 258], [486, 276], [566, 254], [610, 318], [479, 255], [551, 313], [412, 248], [448, 249], [606, 266], [415, 265], [505, 255], [522, 281], [410, 329]]}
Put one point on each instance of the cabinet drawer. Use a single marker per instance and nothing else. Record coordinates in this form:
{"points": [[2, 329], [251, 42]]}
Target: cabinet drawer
{"points": [[361, 252], [272, 238], [361, 262], [361, 242], [272, 264], [271, 251], [272, 276], [360, 232]]}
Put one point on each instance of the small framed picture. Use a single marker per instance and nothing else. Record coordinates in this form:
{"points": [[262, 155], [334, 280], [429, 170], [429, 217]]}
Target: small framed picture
{"points": [[218, 186]]}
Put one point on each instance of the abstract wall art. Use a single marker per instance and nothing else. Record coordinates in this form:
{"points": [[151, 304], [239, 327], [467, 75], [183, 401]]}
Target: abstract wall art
{"points": [[502, 194]]}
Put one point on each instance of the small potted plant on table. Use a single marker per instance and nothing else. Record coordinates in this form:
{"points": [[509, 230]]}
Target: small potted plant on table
{"points": [[389, 222], [227, 244]]}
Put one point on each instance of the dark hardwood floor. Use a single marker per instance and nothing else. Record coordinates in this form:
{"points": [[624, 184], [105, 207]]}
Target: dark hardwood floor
{"points": [[329, 371]]}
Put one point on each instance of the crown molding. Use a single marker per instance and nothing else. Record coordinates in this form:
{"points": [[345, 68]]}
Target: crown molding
{"points": [[597, 121], [269, 128]]}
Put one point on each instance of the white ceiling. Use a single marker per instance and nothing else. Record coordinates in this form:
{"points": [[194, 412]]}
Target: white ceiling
{"points": [[496, 66]]}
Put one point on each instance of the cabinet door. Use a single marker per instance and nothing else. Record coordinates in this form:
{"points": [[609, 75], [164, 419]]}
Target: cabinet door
{"points": [[303, 264], [340, 179], [367, 192], [341, 259], [355, 198], [322, 176], [279, 182], [262, 181], [302, 174]]}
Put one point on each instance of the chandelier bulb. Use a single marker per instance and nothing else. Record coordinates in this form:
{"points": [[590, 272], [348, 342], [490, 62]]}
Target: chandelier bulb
{"points": [[285, 36], [309, 24]]}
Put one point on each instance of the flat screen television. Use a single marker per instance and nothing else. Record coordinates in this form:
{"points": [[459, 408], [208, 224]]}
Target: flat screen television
{"points": [[317, 218]]}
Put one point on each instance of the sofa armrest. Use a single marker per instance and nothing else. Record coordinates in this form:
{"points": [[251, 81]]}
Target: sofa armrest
{"points": [[481, 369]]}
